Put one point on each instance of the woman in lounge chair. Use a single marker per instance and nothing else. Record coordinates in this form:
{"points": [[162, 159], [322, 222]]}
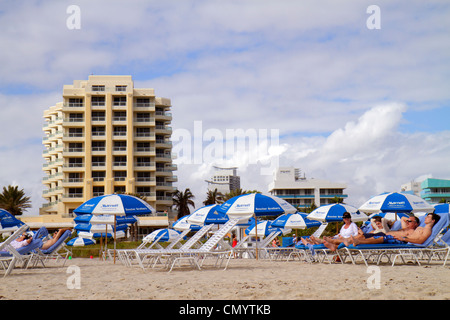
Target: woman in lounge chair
{"points": [[22, 241], [348, 229], [25, 239]]}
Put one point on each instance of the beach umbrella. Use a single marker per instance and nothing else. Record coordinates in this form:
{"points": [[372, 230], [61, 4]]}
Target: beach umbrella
{"points": [[115, 204], [9, 223], [207, 215], [95, 235], [163, 235], [99, 228], [104, 219], [442, 208], [396, 202], [247, 205], [334, 213], [297, 220], [264, 229], [255, 204], [80, 242], [182, 224]]}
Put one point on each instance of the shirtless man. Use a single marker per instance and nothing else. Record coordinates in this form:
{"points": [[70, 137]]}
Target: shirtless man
{"points": [[413, 233]]}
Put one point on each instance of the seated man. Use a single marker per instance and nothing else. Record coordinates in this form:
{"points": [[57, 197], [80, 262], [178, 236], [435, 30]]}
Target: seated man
{"points": [[413, 233]]}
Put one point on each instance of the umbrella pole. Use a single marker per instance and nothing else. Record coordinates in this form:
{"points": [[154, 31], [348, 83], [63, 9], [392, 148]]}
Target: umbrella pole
{"points": [[256, 232], [106, 240], [101, 247], [114, 239]]}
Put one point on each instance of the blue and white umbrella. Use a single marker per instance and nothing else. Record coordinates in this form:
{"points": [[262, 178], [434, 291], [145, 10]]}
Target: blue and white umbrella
{"points": [[95, 235], [207, 215], [295, 221], [334, 213], [115, 204], [396, 202], [80, 242], [442, 208], [244, 206], [264, 228], [93, 228], [182, 224], [9, 223], [104, 219], [162, 235]]}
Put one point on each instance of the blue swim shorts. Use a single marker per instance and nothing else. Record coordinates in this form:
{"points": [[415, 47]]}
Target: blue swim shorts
{"points": [[391, 240]]}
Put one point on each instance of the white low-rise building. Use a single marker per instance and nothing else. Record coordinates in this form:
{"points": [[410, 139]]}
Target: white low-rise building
{"points": [[301, 192]]}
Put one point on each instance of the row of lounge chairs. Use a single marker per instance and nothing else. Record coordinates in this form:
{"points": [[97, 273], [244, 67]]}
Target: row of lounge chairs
{"points": [[32, 254], [169, 257], [435, 248]]}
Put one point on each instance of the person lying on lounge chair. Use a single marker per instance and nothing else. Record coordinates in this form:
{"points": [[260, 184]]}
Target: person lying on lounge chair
{"points": [[418, 235], [47, 244], [22, 241], [25, 239]]}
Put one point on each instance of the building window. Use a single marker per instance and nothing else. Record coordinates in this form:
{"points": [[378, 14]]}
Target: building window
{"points": [[120, 146], [98, 131], [75, 102], [98, 116], [120, 116], [98, 101], [143, 102], [75, 147], [121, 88], [98, 88], [120, 131], [143, 147], [98, 175], [76, 117], [120, 175], [98, 161], [120, 161], [98, 191], [120, 101], [75, 132], [98, 146], [143, 132]]}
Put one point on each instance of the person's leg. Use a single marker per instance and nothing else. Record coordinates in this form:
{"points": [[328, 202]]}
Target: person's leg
{"points": [[357, 241]]}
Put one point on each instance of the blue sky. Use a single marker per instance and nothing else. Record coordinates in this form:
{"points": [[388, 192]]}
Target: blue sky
{"points": [[366, 107]]}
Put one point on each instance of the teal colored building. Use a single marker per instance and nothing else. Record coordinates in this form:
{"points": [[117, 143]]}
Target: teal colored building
{"points": [[433, 190]]}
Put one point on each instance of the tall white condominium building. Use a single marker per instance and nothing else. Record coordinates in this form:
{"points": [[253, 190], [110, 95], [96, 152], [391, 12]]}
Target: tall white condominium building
{"points": [[301, 192], [224, 180], [107, 137]]}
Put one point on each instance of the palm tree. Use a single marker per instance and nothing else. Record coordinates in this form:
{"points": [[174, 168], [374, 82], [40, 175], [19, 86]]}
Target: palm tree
{"points": [[213, 197], [182, 201], [337, 199], [14, 200]]}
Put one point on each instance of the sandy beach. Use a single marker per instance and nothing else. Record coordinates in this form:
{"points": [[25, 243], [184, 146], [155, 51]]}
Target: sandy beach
{"points": [[245, 279]]}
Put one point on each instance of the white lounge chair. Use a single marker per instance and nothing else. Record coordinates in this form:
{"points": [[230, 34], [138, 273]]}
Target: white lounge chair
{"points": [[416, 252], [196, 257], [9, 256], [147, 256]]}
